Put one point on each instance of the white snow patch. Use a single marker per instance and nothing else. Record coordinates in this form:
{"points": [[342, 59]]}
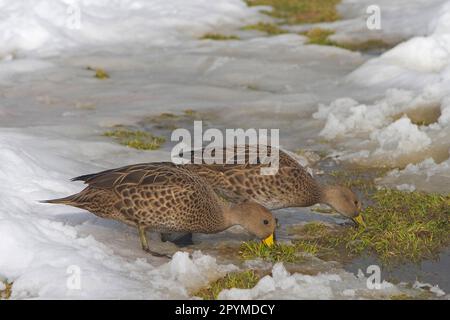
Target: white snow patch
{"points": [[413, 63], [345, 115], [426, 175], [47, 27], [400, 137], [283, 285], [40, 243]]}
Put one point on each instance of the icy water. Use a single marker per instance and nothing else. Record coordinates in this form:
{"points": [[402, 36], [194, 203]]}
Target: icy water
{"points": [[53, 113]]}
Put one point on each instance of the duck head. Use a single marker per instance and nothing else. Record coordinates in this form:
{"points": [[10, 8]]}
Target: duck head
{"points": [[344, 201], [255, 218]]}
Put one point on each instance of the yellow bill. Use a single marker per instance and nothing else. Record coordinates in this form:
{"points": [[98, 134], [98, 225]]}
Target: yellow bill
{"points": [[359, 220], [269, 241]]}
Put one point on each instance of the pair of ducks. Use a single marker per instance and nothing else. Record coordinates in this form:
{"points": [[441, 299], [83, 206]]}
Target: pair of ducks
{"points": [[206, 198]]}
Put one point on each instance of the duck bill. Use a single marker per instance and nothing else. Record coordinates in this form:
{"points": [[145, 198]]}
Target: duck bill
{"points": [[269, 241], [359, 220]]}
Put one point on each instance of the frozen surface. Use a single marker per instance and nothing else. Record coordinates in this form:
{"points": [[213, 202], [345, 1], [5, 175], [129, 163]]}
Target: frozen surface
{"points": [[393, 109], [47, 27]]}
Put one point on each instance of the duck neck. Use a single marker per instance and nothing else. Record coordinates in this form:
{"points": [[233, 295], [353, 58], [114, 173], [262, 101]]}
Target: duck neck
{"points": [[230, 215], [314, 194], [326, 194]]}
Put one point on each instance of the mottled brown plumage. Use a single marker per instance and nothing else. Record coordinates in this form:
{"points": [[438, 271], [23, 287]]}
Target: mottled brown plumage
{"points": [[164, 197], [291, 186]]}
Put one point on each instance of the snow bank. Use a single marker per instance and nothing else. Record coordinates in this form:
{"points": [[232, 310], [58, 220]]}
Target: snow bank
{"points": [[48, 27], [283, 285], [345, 115], [42, 246], [426, 176], [410, 122], [413, 63], [400, 19], [400, 137]]}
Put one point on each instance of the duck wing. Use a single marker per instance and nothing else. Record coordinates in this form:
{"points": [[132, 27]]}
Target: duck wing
{"points": [[241, 156]]}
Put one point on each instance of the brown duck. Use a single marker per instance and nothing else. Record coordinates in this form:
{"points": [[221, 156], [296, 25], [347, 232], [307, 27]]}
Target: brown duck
{"points": [[291, 186], [163, 197]]}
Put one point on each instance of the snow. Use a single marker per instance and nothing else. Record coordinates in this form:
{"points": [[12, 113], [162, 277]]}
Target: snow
{"points": [[400, 137], [47, 27], [38, 246], [415, 62], [426, 175], [400, 20], [409, 120], [345, 115], [53, 113], [284, 285]]}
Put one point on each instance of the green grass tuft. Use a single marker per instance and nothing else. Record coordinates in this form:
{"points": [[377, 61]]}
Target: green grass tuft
{"points": [[243, 280], [269, 28], [401, 227], [136, 139], [99, 73], [319, 36], [300, 11], [307, 247], [314, 229], [276, 253], [219, 37], [171, 121], [368, 45]]}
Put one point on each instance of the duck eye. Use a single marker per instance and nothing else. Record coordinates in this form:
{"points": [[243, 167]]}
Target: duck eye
{"points": [[356, 202], [266, 221]]}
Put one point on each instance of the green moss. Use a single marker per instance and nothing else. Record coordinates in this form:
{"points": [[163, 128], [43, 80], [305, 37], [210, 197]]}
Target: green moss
{"points": [[307, 247], [136, 139], [319, 36], [269, 28], [300, 11], [401, 296], [172, 121], [313, 229], [278, 252], [243, 280], [425, 295], [217, 36], [368, 45], [401, 227], [99, 73], [190, 112], [6, 293]]}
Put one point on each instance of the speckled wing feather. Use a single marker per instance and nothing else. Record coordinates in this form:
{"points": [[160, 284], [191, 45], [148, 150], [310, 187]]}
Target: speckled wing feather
{"points": [[292, 185], [235, 154], [162, 196]]}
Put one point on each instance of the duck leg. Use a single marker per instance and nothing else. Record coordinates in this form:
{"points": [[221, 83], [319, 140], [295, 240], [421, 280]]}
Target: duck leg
{"points": [[144, 243]]}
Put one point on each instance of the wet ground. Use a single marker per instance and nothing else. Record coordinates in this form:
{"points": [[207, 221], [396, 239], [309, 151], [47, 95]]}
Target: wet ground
{"points": [[433, 271]]}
